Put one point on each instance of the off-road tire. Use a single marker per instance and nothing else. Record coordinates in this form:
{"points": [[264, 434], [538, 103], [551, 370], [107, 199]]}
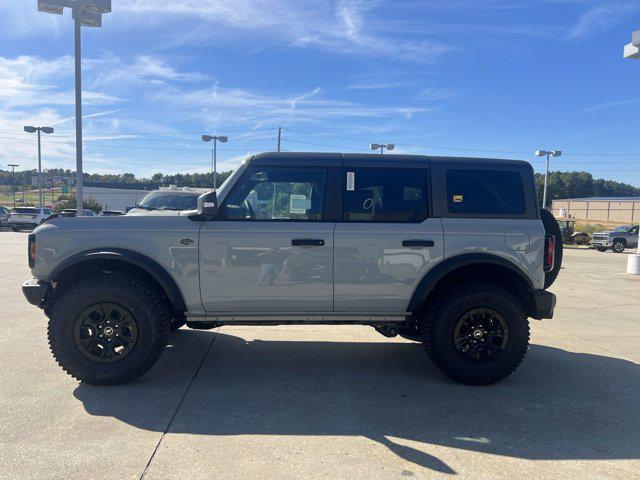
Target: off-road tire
{"points": [[142, 301], [601, 249], [438, 324], [178, 320], [410, 332], [551, 227], [618, 246]]}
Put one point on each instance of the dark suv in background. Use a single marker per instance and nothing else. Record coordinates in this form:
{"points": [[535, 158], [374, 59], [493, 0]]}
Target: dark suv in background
{"points": [[617, 239]]}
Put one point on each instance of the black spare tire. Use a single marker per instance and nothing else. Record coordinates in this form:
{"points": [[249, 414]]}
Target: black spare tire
{"points": [[551, 227]]}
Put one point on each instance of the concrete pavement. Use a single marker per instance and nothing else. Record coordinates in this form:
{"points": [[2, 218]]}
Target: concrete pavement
{"points": [[332, 402]]}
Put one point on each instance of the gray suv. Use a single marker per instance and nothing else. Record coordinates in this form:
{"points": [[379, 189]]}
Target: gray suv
{"points": [[617, 239], [451, 252]]}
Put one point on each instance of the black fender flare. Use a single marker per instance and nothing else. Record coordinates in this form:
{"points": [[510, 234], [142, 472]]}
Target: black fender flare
{"points": [[433, 276], [151, 267]]}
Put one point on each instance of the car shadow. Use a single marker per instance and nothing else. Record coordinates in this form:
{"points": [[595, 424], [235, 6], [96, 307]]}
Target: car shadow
{"points": [[559, 405]]}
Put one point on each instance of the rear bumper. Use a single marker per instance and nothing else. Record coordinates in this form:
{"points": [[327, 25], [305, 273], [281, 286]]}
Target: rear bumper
{"points": [[542, 304], [35, 291]]}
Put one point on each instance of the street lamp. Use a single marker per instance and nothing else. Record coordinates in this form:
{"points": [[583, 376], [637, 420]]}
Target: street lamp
{"points": [[547, 153], [47, 130], [85, 13], [632, 50], [214, 154], [13, 173], [382, 147]]}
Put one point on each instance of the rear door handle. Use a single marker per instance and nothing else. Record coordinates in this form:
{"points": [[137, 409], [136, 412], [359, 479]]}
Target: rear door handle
{"points": [[312, 242], [418, 243]]}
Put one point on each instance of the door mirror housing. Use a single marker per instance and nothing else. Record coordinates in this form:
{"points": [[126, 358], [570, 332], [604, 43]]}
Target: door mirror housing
{"points": [[208, 205]]}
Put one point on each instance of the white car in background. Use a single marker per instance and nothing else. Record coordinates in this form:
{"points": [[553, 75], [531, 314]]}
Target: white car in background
{"points": [[28, 217], [171, 201]]}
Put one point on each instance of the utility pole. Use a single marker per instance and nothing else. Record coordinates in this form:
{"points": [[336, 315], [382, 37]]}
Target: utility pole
{"points": [[279, 137], [382, 147], [13, 174], [214, 154], [547, 153]]}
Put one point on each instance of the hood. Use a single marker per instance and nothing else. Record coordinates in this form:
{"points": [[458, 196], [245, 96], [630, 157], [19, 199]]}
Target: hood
{"points": [[155, 213]]}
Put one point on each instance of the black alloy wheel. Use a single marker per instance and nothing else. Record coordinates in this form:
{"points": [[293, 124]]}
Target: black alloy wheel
{"points": [[105, 332], [480, 335]]}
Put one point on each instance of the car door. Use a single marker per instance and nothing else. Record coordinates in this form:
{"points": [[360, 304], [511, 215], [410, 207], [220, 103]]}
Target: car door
{"points": [[386, 241], [271, 250]]}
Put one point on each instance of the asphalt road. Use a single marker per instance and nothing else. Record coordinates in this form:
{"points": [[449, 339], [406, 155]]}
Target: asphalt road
{"points": [[332, 402]]}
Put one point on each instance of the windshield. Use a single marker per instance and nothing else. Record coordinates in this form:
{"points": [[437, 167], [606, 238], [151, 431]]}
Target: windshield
{"points": [[169, 201], [25, 210], [623, 229]]}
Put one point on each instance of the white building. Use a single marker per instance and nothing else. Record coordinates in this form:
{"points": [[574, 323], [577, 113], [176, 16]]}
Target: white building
{"points": [[116, 196]]}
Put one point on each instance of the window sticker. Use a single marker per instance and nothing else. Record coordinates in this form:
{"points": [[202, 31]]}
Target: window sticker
{"points": [[299, 204], [458, 199], [351, 181]]}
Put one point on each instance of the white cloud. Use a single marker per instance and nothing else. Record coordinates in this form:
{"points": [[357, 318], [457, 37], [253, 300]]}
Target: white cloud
{"points": [[604, 17], [341, 27], [612, 104]]}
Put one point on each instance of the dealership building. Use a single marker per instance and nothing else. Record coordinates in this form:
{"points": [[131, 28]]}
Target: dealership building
{"points": [[613, 210]]}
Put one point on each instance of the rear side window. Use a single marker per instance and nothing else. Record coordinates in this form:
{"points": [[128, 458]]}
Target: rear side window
{"points": [[388, 195], [490, 192]]}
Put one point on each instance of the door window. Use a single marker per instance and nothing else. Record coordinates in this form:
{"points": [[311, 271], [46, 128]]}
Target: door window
{"points": [[394, 195], [278, 193]]}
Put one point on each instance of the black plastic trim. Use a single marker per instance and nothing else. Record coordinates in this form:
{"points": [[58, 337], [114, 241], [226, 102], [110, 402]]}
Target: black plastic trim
{"points": [[35, 291], [150, 266], [431, 279], [543, 304]]}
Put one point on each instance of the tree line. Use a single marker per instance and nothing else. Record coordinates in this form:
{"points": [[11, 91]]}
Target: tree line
{"points": [[560, 184]]}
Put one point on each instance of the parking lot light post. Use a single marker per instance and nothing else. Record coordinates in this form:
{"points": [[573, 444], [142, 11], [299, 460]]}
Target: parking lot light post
{"points": [[13, 174], [547, 153], [382, 147], [38, 130], [632, 51], [85, 13], [214, 154]]}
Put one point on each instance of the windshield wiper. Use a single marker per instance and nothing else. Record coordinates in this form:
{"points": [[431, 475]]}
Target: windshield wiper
{"points": [[146, 208]]}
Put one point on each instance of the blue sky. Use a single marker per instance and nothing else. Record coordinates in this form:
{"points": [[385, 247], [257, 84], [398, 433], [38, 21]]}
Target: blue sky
{"points": [[497, 78]]}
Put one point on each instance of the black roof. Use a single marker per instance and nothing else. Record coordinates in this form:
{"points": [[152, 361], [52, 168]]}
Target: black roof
{"points": [[339, 159]]}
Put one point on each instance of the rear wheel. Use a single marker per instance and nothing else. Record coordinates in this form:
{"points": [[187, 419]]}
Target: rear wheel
{"points": [[551, 227], [108, 329], [476, 334]]}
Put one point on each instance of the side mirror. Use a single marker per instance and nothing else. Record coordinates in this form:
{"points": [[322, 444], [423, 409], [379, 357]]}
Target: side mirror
{"points": [[208, 205]]}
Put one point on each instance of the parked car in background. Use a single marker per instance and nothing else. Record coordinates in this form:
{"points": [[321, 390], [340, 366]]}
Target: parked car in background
{"points": [[167, 202], [4, 216], [617, 239], [27, 217], [110, 213], [569, 235], [72, 212]]}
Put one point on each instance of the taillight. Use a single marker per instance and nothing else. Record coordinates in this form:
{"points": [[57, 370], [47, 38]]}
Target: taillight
{"points": [[32, 250], [549, 252]]}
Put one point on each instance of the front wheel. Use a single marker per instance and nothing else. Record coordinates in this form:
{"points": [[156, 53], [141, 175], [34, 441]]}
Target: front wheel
{"points": [[601, 249], [618, 246], [476, 334], [108, 329]]}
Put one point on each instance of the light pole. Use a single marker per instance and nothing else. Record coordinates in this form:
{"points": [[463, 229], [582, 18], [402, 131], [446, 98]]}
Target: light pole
{"points": [[547, 153], [13, 173], [47, 130], [214, 154], [85, 13], [632, 51], [382, 147]]}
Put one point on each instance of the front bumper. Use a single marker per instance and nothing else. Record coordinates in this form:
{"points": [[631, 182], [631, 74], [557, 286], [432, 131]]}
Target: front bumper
{"points": [[542, 304], [601, 242], [35, 291]]}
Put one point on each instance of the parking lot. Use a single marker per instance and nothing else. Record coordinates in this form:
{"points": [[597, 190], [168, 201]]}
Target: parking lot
{"points": [[332, 402]]}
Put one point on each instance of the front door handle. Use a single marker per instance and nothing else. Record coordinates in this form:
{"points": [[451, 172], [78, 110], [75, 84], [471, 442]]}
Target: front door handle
{"points": [[312, 242], [418, 243]]}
